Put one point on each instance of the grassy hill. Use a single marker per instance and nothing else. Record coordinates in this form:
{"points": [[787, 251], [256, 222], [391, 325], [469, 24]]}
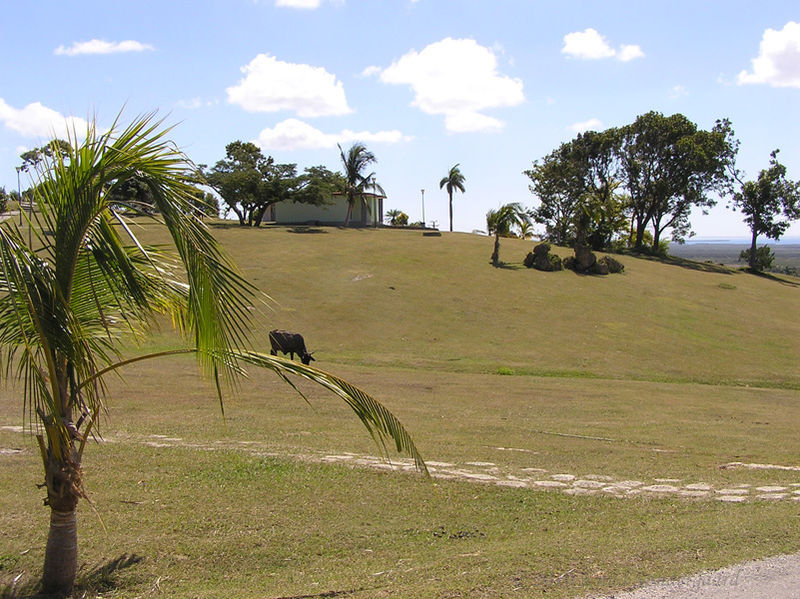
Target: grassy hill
{"points": [[375, 297]]}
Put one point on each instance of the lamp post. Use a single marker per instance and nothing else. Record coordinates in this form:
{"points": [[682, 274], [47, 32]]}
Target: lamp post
{"points": [[19, 195], [423, 207]]}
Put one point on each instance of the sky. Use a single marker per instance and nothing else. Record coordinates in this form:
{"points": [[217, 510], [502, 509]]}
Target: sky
{"points": [[490, 85]]}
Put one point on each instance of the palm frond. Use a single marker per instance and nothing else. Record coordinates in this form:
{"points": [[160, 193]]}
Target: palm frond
{"points": [[380, 422]]}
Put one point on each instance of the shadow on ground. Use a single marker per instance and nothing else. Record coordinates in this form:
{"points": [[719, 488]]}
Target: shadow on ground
{"points": [[97, 581]]}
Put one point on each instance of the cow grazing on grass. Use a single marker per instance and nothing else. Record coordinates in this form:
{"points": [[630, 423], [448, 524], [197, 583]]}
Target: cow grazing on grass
{"points": [[290, 343]]}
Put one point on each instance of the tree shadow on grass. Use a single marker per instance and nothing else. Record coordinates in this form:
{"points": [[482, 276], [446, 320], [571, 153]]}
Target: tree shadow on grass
{"points": [[100, 579], [508, 265], [771, 277], [304, 230], [686, 263]]}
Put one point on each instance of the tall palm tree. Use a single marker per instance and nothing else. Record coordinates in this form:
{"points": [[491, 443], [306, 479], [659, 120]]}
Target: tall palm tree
{"points": [[454, 181], [501, 223], [355, 162], [68, 300]]}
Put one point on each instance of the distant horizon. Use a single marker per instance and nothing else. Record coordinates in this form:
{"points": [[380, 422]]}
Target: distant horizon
{"points": [[734, 240]]}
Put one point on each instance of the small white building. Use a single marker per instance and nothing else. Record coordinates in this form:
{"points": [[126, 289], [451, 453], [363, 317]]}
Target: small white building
{"points": [[333, 214]]}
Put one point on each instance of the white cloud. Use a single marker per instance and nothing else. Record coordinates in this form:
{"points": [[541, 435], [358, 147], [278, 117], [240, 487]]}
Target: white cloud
{"points": [[102, 47], [195, 103], [457, 78], [629, 52], [271, 85], [370, 71], [778, 60], [294, 134], [469, 122], [590, 45], [678, 91], [586, 44], [36, 120], [303, 4], [590, 125]]}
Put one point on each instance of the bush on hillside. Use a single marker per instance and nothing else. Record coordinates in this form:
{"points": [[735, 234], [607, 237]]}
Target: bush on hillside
{"points": [[764, 258]]}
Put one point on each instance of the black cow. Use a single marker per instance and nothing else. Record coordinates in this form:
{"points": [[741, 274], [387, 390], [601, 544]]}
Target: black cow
{"points": [[289, 343]]}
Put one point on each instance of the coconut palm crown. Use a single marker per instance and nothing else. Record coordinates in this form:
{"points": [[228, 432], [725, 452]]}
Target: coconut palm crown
{"points": [[355, 163], [453, 181], [85, 283], [501, 223]]}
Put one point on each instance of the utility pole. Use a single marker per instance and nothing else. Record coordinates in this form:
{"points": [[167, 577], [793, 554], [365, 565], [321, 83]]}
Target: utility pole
{"points": [[423, 208]]}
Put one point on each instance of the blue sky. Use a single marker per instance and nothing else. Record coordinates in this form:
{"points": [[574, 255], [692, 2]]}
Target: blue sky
{"points": [[489, 84]]}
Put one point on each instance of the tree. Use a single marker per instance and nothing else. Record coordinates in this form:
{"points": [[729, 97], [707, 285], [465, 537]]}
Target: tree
{"points": [[577, 181], [317, 185], [453, 181], [238, 180], [32, 158], [250, 184], [68, 300], [397, 218], [769, 204], [355, 162], [501, 223], [669, 166]]}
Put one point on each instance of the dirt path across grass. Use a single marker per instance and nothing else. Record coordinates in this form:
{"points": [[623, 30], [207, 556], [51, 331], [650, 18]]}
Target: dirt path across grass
{"points": [[574, 483], [772, 578]]}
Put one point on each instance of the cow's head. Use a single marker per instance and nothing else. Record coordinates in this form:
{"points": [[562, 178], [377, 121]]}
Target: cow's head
{"points": [[306, 358]]}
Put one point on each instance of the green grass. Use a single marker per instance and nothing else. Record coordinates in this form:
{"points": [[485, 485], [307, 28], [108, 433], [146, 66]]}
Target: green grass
{"points": [[666, 371]]}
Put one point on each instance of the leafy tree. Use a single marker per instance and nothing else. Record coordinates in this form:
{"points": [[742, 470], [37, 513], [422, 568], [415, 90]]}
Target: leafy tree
{"points": [[32, 158], [238, 179], [502, 222], [553, 183], [132, 194], [669, 166], [317, 185], [454, 181], [4, 197], [355, 162], [67, 301], [577, 182], [769, 204], [250, 183], [397, 218]]}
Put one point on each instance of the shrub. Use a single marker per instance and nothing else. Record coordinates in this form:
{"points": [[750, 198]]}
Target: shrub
{"points": [[764, 257]]}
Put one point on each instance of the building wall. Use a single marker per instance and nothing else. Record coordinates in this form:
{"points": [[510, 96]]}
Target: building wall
{"points": [[290, 213]]}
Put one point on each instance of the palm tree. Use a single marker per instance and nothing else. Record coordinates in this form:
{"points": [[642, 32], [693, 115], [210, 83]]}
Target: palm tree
{"points": [[355, 162], [454, 181], [68, 300], [397, 218], [501, 223]]}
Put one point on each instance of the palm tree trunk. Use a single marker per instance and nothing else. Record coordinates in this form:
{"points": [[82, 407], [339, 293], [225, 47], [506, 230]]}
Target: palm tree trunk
{"points": [[496, 252], [61, 554], [451, 211], [63, 474], [349, 213]]}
